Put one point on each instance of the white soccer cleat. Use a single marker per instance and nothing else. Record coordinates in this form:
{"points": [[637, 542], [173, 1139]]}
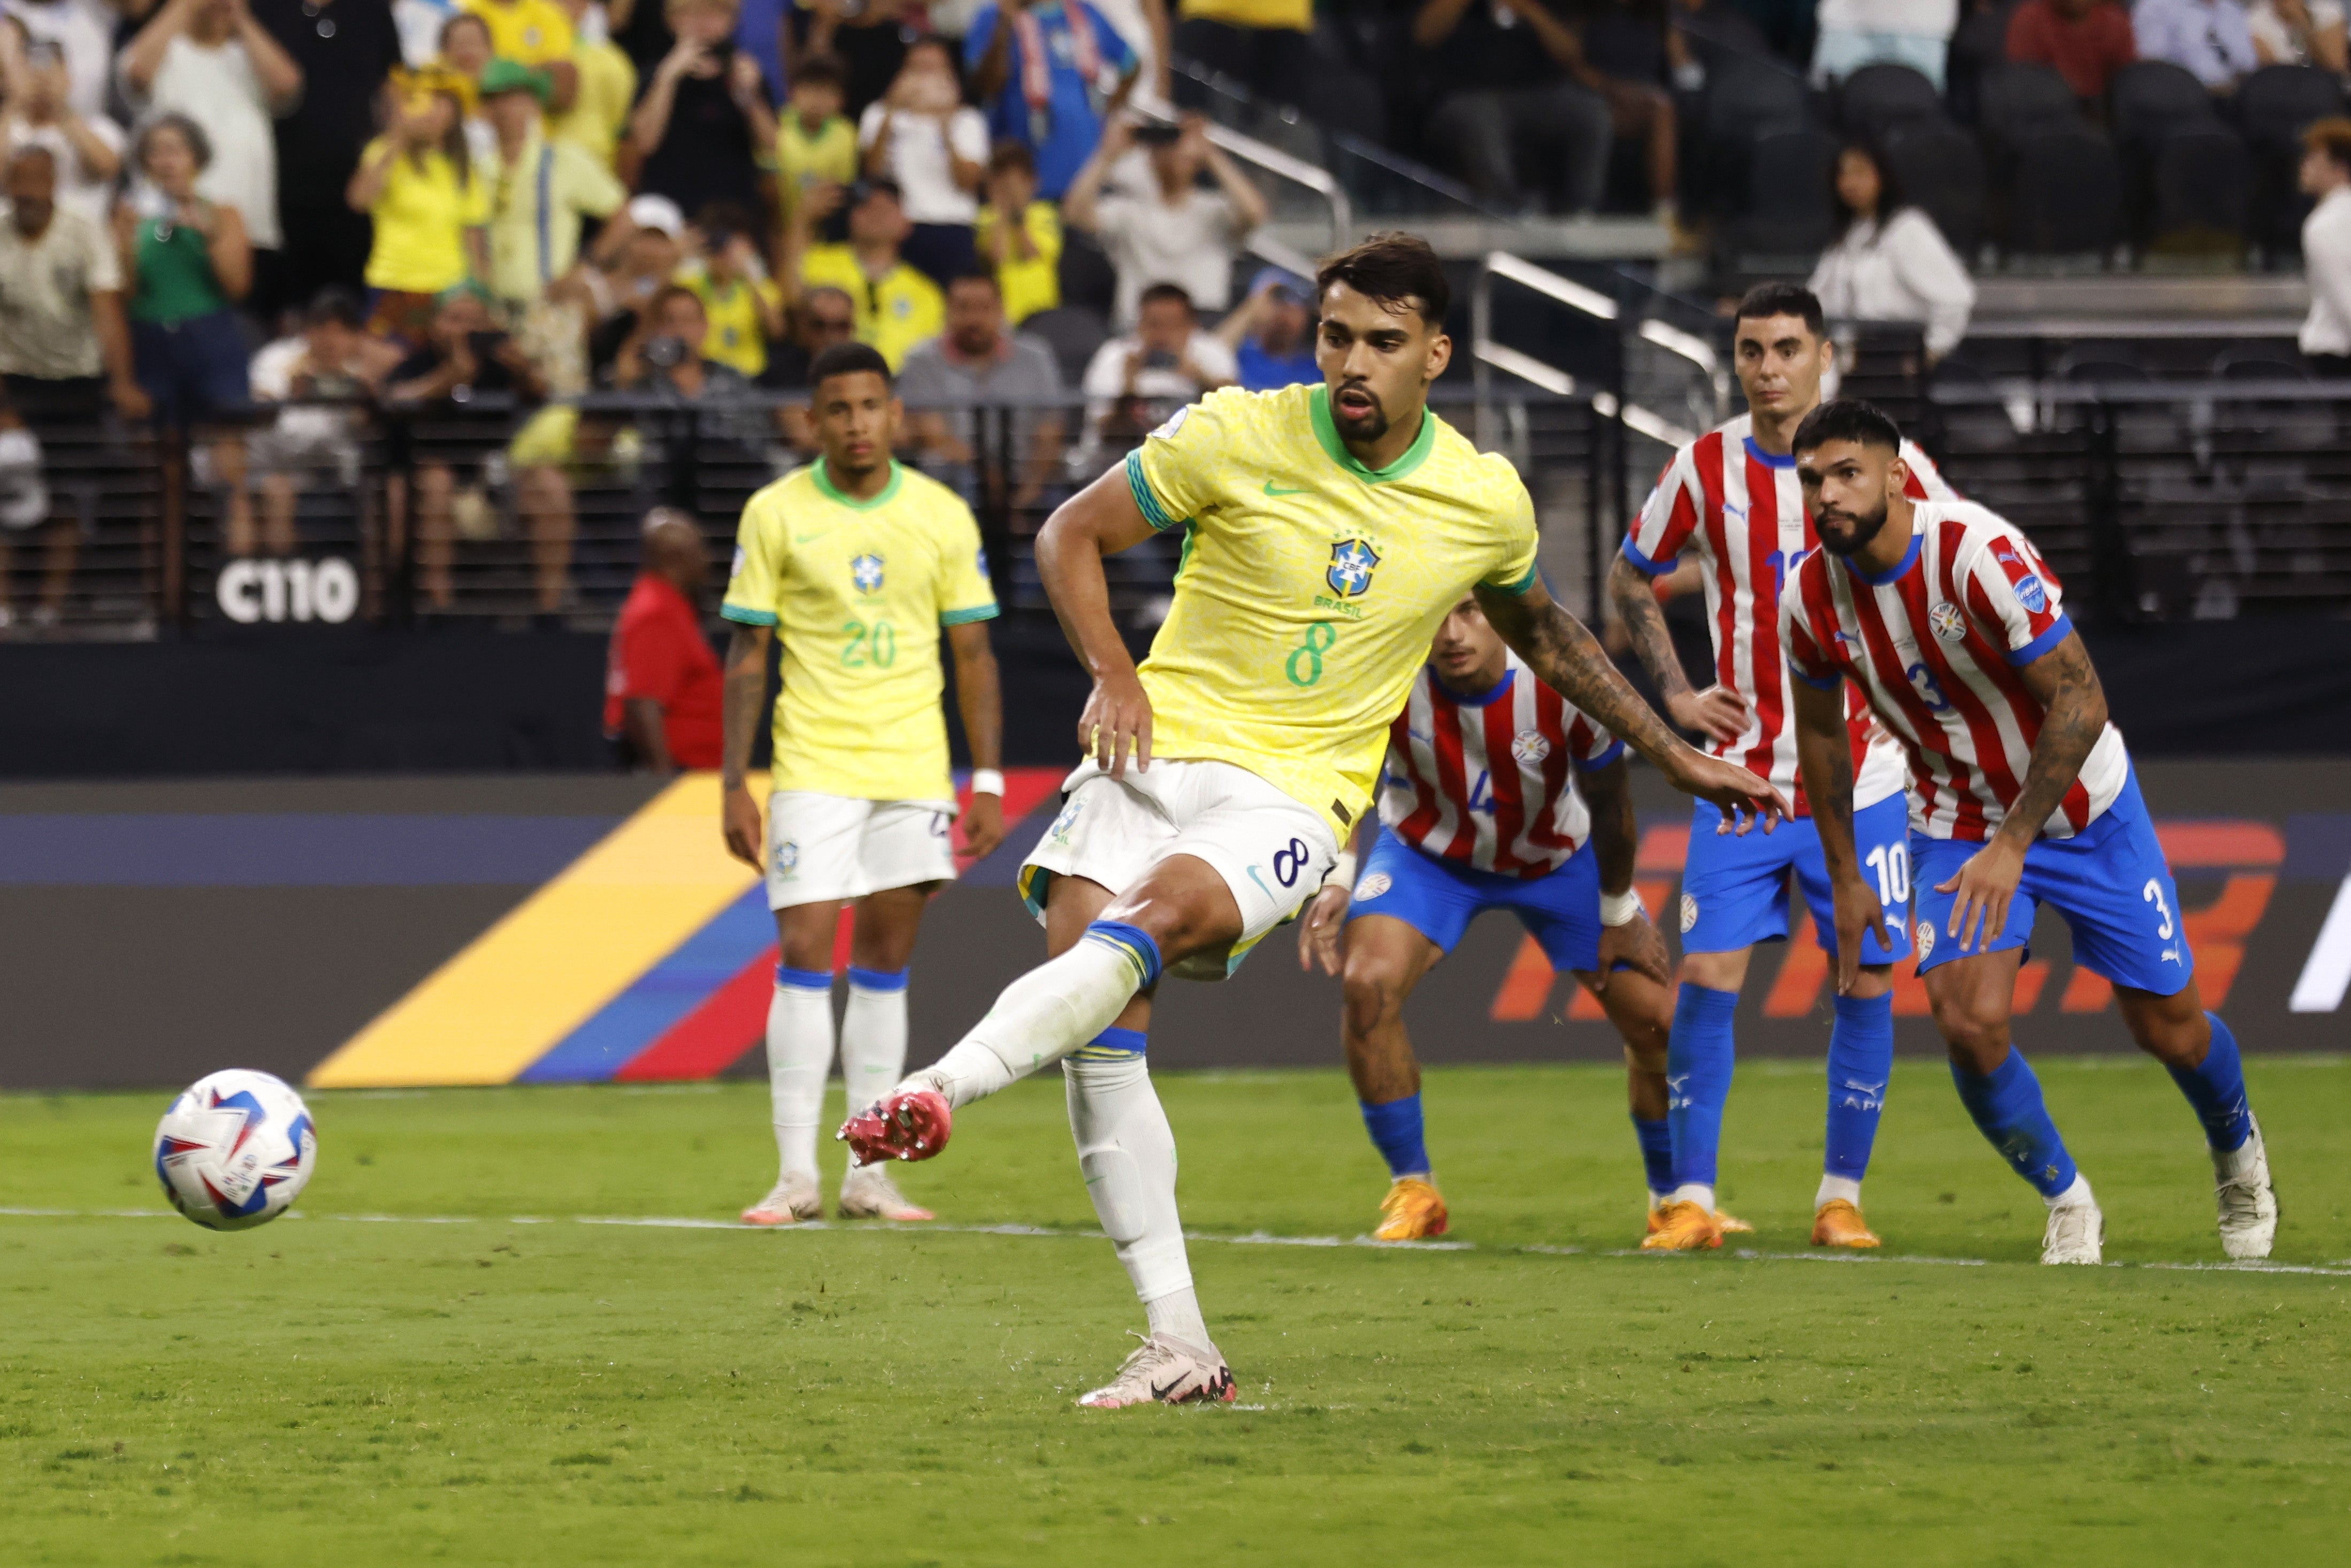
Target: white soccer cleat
{"points": [[1166, 1372], [868, 1193], [795, 1198], [2249, 1206], [2077, 1234]]}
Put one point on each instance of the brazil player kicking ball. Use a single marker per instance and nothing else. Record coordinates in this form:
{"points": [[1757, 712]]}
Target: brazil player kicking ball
{"points": [[1728, 509], [1328, 530], [1945, 617], [860, 566], [1497, 795]]}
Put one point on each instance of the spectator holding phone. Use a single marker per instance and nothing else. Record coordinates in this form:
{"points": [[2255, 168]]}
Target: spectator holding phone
{"points": [[744, 307], [1271, 333], [815, 146], [704, 124], [1019, 237], [921, 135], [429, 202], [88, 153], [1136, 383], [1177, 233], [1049, 73]]}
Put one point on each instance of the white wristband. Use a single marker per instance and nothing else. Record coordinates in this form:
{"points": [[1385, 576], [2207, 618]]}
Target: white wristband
{"points": [[987, 781], [1342, 872], [1618, 908]]}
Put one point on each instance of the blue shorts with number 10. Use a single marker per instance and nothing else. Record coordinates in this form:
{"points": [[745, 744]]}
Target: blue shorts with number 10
{"points": [[1735, 886]]}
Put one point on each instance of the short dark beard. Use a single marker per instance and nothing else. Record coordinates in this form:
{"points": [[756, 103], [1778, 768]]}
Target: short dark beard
{"points": [[1366, 429], [1864, 530]]}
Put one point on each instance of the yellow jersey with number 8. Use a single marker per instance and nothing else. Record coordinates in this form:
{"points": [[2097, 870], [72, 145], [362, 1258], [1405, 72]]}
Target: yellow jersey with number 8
{"points": [[857, 591], [1310, 585]]}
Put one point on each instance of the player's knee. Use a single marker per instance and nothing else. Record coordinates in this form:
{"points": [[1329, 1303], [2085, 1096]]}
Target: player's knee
{"points": [[1975, 1026], [1375, 996], [2173, 1030]]}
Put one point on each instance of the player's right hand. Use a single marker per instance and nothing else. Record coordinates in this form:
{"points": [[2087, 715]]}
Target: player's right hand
{"points": [[1858, 910], [1745, 799], [1117, 716], [1318, 928], [1718, 713], [738, 818]]}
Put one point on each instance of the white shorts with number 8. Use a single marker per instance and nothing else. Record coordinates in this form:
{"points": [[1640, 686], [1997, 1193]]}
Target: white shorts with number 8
{"points": [[1272, 851]]}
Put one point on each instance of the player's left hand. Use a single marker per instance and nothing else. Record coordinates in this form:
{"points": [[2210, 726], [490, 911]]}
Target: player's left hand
{"points": [[1857, 911], [739, 819], [983, 826], [1636, 946], [1984, 886], [1745, 799], [1319, 928]]}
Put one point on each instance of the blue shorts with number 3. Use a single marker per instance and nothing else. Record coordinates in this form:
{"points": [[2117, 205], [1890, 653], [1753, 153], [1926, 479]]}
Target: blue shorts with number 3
{"points": [[2110, 881], [1735, 887]]}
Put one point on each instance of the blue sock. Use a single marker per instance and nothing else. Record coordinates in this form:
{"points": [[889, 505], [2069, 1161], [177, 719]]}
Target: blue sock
{"points": [[1656, 1152], [1136, 943], [1697, 1080], [1861, 1061], [1395, 1128], [2007, 1107], [2217, 1090], [1114, 1044]]}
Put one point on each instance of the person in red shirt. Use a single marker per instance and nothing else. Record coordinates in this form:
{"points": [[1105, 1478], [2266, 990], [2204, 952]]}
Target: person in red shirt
{"points": [[2087, 40], [662, 686]]}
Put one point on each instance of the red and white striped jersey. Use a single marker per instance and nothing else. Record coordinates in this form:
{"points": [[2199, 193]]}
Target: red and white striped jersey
{"points": [[1935, 645], [1488, 782], [1741, 509]]}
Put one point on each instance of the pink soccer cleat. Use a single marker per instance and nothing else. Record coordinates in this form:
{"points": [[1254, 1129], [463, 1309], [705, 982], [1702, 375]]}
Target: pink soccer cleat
{"points": [[910, 1124], [1164, 1371]]}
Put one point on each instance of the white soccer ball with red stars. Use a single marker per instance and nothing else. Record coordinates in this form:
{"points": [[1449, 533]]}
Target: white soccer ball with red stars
{"points": [[236, 1149]]}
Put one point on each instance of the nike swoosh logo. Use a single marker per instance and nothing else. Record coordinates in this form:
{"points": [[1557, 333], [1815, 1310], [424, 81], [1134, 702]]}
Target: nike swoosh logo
{"points": [[804, 538], [1273, 489], [1161, 1393]]}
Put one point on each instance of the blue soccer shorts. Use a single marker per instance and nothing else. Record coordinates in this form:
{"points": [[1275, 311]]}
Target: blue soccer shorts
{"points": [[1735, 886], [1439, 899], [2109, 881]]}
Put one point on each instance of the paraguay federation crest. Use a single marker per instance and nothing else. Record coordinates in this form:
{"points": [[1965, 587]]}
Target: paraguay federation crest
{"points": [[1350, 573], [865, 571], [1948, 624]]}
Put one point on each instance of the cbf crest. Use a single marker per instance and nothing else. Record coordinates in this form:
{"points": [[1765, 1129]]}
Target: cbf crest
{"points": [[865, 571], [1351, 564]]}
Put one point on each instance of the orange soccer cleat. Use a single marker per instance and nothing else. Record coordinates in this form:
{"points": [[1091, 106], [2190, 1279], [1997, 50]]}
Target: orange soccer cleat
{"points": [[1838, 1223], [1412, 1211], [1730, 1224], [1681, 1227]]}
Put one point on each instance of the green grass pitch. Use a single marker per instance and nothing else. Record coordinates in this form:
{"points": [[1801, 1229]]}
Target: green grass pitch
{"points": [[517, 1387]]}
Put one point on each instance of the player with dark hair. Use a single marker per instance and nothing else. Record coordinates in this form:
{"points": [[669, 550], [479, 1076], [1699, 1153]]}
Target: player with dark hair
{"points": [[1947, 620], [1330, 529], [1728, 507], [1498, 793], [862, 567]]}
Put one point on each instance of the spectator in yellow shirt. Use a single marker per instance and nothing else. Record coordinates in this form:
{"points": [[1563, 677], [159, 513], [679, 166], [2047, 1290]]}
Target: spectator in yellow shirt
{"points": [[540, 190], [608, 90], [532, 33], [897, 305], [1025, 253], [429, 205], [816, 145], [741, 303]]}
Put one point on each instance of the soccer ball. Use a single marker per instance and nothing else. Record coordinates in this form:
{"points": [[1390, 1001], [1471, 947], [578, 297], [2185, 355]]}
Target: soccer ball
{"points": [[236, 1149]]}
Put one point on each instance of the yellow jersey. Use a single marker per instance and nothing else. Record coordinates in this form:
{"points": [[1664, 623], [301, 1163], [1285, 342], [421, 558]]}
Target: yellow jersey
{"points": [[1310, 585], [599, 112], [536, 205], [1292, 16], [527, 32], [421, 220], [735, 338], [894, 311], [804, 158], [857, 591], [1031, 286]]}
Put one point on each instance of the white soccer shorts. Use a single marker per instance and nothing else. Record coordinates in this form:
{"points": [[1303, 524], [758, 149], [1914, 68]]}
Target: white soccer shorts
{"points": [[1271, 850], [827, 847]]}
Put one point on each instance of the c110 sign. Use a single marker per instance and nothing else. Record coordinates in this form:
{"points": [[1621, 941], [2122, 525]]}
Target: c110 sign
{"points": [[253, 592]]}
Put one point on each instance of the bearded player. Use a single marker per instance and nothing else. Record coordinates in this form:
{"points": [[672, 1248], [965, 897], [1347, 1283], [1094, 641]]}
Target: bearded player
{"points": [[1497, 794], [862, 568], [1728, 505], [1330, 529], [1948, 620]]}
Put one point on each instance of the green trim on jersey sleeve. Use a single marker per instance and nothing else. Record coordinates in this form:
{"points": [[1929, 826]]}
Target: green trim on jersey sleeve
{"points": [[1153, 512], [965, 616], [746, 616], [1520, 586]]}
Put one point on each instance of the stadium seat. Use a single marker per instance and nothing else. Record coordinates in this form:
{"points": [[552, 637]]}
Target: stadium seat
{"points": [[2066, 197], [1087, 277], [2273, 106], [1787, 214], [2021, 102], [1745, 102], [1938, 166], [1979, 48], [2149, 98], [1876, 98], [1072, 332], [2202, 182]]}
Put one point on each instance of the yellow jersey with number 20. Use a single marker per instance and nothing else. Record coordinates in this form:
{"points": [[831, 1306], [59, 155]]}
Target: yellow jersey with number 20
{"points": [[1312, 586], [857, 591]]}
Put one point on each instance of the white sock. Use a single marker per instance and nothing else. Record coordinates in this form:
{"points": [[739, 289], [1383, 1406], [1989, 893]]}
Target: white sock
{"points": [[1835, 1186], [1040, 1018], [1692, 1192], [800, 1054], [1657, 1198], [2077, 1193], [873, 1039], [1128, 1154]]}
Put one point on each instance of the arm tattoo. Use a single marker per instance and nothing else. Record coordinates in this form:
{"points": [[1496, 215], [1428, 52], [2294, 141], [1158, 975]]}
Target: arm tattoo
{"points": [[2067, 685], [1569, 660], [746, 692], [1644, 623]]}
